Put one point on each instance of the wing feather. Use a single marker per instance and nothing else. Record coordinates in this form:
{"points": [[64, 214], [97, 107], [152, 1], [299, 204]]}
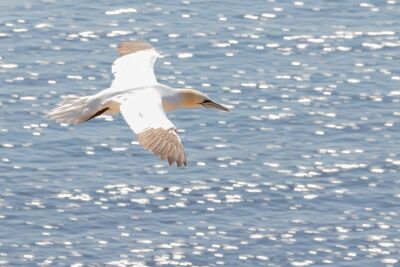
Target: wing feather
{"points": [[135, 67], [130, 47], [155, 132], [167, 150]]}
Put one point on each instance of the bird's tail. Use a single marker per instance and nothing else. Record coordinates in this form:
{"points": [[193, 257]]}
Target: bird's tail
{"points": [[72, 110]]}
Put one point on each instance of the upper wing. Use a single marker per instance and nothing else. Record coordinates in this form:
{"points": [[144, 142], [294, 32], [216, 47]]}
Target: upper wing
{"points": [[144, 114], [135, 67]]}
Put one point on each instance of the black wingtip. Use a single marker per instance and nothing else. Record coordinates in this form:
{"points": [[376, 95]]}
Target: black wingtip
{"points": [[98, 113]]}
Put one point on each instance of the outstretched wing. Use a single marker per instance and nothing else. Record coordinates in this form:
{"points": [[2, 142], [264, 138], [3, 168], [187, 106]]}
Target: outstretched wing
{"points": [[135, 67], [155, 132]]}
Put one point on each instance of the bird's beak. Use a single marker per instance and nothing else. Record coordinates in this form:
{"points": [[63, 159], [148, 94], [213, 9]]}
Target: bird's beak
{"points": [[212, 104]]}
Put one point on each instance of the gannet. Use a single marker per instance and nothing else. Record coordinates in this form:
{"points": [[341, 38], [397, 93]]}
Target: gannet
{"points": [[141, 100]]}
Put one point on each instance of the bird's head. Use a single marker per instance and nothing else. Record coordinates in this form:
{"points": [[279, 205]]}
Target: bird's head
{"points": [[195, 99]]}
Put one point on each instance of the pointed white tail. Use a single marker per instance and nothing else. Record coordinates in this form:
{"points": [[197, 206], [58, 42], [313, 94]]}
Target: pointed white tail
{"points": [[73, 110]]}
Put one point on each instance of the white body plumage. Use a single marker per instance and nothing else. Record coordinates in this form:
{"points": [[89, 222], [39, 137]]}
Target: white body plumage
{"points": [[142, 101]]}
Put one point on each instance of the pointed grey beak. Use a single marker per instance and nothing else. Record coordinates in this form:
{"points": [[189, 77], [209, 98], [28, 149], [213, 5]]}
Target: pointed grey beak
{"points": [[210, 104]]}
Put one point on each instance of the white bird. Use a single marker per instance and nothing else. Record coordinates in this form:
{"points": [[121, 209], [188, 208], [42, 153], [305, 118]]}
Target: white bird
{"points": [[142, 101]]}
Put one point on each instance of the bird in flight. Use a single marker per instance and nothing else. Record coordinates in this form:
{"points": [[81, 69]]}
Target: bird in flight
{"points": [[141, 100]]}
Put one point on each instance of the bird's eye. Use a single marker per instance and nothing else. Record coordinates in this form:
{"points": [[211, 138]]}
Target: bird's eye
{"points": [[205, 101]]}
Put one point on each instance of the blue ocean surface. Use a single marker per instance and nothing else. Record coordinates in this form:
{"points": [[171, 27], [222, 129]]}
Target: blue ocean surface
{"points": [[304, 170]]}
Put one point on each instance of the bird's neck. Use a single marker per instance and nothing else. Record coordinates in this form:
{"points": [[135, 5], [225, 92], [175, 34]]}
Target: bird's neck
{"points": [[172, 101], [178, 98]]}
